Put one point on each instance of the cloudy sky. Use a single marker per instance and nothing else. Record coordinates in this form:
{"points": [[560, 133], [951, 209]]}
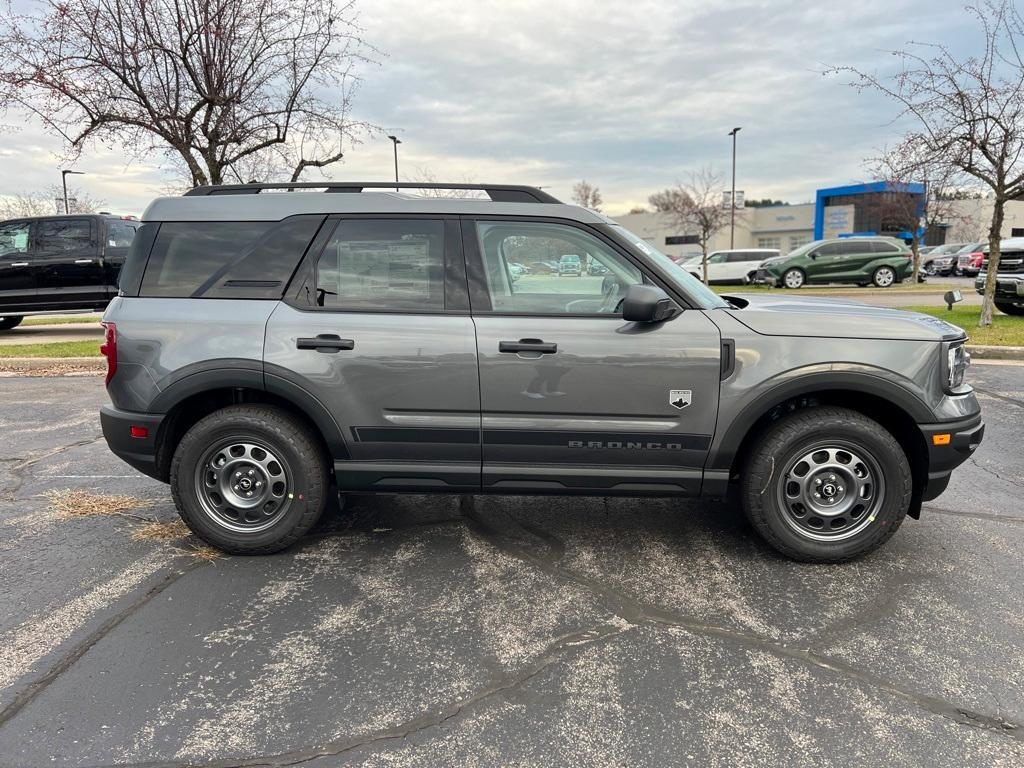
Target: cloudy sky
{"points": [[628, 95]]}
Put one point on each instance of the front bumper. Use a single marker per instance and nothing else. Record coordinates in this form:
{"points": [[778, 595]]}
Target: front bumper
{"points": [[1010, 287], [764, 277], [139, 452], [947, 453]]}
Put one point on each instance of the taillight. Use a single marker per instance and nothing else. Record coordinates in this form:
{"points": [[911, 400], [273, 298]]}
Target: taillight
{"points": [[109, 349]]}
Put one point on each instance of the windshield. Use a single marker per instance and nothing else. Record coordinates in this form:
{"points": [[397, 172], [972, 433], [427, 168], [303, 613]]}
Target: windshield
{"points": [[704, 296]]}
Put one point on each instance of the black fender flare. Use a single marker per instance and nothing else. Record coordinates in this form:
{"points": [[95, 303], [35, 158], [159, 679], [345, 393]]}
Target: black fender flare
{"points": [[725, 450]]}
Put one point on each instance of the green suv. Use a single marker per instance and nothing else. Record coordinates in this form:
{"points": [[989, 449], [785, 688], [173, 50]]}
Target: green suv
{"points": [[881, 261]]}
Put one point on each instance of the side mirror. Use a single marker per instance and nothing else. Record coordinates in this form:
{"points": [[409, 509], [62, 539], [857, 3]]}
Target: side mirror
{"points": [[647, 304], [812, 255]]}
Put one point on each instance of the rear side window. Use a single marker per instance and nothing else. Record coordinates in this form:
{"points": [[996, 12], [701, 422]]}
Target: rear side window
{"points": [[879, 246], [227, 260], [387, 264], [120, 233]]}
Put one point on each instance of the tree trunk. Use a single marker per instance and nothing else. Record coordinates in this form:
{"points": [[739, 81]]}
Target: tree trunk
{"points": [[995, 234], [704, 261]]}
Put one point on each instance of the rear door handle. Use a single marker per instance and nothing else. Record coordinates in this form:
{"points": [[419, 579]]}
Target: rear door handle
{"points": [[83, 261], [19, 263], [528, 345], [325, 342]]}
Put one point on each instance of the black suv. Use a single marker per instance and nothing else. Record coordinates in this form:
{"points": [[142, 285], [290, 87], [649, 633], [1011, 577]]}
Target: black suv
{"points": [[60, 263]]}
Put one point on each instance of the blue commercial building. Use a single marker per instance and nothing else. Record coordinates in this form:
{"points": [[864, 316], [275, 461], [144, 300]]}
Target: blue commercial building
{"points": [[877, 208]]}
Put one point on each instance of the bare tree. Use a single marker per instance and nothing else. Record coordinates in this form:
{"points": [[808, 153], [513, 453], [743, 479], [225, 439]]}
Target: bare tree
{"points": [[26, 204], [968, 110], [906, 164], [695, 207], [228, 90], [587, 195]]}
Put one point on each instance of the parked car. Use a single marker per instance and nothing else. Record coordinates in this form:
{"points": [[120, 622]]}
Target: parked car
{"points": [[970, 258], [544, 267], [1009, 297], [734, 266], [570, 264], [596, 268], [265, 350], [516, 270], [882, 261], [60, 263], [941, 260]]}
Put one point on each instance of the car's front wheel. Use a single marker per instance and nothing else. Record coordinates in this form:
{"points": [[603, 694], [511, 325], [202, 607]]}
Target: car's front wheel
{"points": [[10, 321], [794, 278], [249, 479], [826, 484], [883, 277], [1010, 308]]}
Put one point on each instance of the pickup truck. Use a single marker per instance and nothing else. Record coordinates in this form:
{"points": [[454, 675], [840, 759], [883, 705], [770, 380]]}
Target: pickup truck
{"points": [[60, 263]]}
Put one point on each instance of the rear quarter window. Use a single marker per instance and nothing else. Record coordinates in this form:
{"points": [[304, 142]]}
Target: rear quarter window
{"points": [[227, 260]]}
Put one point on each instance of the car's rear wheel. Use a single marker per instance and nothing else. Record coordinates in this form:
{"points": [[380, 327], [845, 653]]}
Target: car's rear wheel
{"points": [[249, 479], [10, 321], [929, 268], [883, 277], [1010, 308], [794, 278], [826, 484]]}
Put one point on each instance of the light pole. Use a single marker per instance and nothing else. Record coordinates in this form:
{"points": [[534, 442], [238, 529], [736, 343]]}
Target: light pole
{"points": [[396, 142], [64, 183], [732, 197]]}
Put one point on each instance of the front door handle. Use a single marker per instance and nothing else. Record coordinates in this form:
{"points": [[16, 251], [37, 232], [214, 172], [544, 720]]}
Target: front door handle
{"points": [[528, 345], [83, 261], [325, 342], [19, 264]]}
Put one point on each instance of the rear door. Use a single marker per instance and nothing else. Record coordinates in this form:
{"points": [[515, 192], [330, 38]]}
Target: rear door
{"points": [[855, 254], [378, 330], [68, 268], [573, 397], [17, 279]]}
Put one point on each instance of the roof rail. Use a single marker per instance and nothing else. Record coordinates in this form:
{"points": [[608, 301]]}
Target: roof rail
{"points": [[499, 193]]}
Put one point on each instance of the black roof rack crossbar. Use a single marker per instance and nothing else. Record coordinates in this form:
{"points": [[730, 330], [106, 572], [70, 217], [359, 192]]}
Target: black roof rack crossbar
{"points": [[499, 193]]}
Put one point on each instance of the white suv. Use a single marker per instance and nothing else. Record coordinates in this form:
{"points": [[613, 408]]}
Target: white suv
{"points": [[736, 266]]}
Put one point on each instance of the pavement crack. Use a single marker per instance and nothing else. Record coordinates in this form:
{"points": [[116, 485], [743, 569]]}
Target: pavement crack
{"points": [[995, 474], [632, 611], [977, 515], [1006, 398], [34, 689], [18, 470]]}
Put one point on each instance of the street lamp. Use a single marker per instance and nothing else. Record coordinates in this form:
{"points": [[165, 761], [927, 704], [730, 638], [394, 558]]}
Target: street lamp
{"points": [[396, 141], [64, 183], [732, 198]]}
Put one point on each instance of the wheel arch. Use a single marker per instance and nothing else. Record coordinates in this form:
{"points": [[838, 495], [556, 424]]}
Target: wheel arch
{"points": [[190, 399], [895, 408]]}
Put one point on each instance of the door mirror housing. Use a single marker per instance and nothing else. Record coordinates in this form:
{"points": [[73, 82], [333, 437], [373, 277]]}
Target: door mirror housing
{"points": [[647, 304]]}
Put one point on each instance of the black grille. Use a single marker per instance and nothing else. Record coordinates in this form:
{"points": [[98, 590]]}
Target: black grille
{"points": [[1009, 264]]}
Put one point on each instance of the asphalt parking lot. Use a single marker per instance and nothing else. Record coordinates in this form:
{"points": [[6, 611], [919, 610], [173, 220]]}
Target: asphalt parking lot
{"points": [[438, 631]]}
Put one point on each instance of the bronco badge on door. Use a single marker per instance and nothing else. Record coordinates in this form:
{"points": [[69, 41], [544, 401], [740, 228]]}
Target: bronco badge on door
{"points": [[679, 398]]}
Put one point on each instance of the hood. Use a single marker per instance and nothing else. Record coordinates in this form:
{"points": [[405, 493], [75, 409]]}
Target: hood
{"points": [[782, 315]]}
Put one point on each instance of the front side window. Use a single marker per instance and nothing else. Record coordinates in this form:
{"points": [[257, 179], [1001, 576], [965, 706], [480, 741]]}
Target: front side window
{"points": [[59, 235], [596, 287], [14, 238], [120, 233], [383, 264]]}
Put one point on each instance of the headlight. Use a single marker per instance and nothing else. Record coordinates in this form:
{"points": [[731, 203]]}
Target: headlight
{"points": [[957, 360]]}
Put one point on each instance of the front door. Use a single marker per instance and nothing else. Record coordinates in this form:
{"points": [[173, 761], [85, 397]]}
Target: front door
{"points": [[17, 280], [69, 271], [380, 333], [573, 397]]}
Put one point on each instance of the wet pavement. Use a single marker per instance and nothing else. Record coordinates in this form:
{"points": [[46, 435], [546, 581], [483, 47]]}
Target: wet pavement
{"points": [[439, 631]]}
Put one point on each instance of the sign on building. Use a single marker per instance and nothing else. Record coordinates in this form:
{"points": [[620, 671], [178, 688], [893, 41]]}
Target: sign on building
{"points": [[838, 220], [727, 196]]}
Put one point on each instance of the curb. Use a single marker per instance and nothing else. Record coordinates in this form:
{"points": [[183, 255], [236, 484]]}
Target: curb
{"points": [[27, 366], [985, 352]]}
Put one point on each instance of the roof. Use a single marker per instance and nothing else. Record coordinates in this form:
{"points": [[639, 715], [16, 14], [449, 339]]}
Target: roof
{"points": [[279, 205]]}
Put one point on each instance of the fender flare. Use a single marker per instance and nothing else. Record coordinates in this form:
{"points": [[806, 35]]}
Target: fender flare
{"points": [[802, 384]]}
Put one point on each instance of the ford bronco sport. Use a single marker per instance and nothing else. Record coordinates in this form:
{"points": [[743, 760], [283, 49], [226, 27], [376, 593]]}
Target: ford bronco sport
{"points": [[271, 342]]}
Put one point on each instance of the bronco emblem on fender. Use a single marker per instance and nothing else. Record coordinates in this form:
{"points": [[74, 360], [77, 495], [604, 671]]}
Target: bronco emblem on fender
{"points": [[679, 398]]}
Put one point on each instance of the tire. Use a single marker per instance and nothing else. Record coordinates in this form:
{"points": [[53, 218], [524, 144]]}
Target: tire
{"points": [[929, 269], [793, 278], [258, 444], [883, 277], [774, 492], [1009, 308], [10, 321]]}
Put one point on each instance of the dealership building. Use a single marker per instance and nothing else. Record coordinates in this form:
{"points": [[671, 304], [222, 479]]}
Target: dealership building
{"points": [[846, 211]]}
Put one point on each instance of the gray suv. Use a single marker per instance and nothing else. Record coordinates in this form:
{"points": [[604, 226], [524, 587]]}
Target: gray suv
{"points": [[272, 343]]}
